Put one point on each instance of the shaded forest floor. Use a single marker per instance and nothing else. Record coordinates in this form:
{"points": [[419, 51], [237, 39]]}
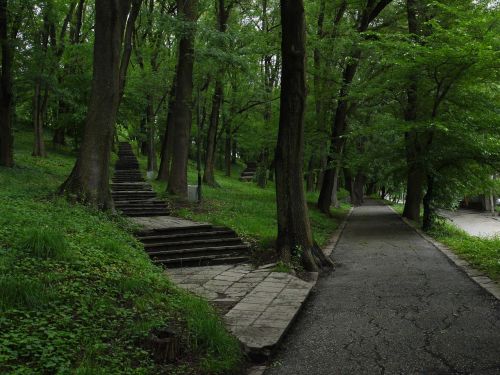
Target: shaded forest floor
{"points": [[78, 294]]}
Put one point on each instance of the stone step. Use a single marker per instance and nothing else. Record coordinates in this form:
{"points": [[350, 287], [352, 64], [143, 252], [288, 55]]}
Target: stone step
{"points": [[147, 213], [204, 250], [143, 208], [132, 184], [129, 196], [132, 188], [129, 176], [140, 203], [128, 180], [177, 230], [185, 236], [128, 166], [192, 244], [201, 260]]}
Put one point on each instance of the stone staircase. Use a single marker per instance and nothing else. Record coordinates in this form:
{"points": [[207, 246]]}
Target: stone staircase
{"points": [[131, 194], [171, 242], [195, 245], [249, 173]]}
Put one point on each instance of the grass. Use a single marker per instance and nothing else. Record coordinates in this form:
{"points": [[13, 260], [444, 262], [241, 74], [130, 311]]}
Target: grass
{"points": [[250, 210], [481, 253], [78, 295]]}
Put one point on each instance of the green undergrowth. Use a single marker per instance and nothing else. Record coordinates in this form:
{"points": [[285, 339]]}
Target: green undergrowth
{"points": [[78, 295], [482, 253], [249, 209]]}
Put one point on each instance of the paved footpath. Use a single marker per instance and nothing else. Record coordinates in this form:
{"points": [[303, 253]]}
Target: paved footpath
{"points": [[394, 305]]}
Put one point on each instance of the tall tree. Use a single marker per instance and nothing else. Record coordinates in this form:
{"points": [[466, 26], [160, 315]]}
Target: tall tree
{"points": [[6, 104], [223, 13], [367, 15], [294, 229], [182, 109], [89, 180], [413, 143]]}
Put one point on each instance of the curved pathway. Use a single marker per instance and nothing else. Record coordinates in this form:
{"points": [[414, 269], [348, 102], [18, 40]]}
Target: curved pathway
{"points": [[394, 305]]}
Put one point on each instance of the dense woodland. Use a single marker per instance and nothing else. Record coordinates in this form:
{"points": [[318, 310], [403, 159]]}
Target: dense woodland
{"points": [[371, 96]]}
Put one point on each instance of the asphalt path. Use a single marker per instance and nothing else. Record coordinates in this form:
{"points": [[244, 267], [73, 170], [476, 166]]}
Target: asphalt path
{"points": [[394, 305]]}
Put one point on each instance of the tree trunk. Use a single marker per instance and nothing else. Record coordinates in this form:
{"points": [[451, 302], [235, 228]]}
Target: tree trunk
{"points": [[428, 209], [294, 230], [41, 91], [150, 124], [6, 104], [414, 191], [335, 201], [38, 117], [338, 130], [59, 137], [208, 174], [383, 192], [358, 189], [322, 167], [177, 182], [227, 149], [89, 180], [416, 173], [168, 139], [310, 175]]}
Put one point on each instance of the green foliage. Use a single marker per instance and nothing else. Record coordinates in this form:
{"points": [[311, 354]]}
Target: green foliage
{"points": [[78, 294], [208, 336], [282, 267]]}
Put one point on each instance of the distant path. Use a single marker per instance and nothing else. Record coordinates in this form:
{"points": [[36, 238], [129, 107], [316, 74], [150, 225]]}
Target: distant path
{"points": [[476, 223], [395, 305]]}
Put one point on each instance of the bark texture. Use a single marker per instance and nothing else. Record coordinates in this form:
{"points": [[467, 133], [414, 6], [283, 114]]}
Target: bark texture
{"points": [[415, 170], [89, 180], [208, 173], [294, 230], [168, 138], [182, 111]]}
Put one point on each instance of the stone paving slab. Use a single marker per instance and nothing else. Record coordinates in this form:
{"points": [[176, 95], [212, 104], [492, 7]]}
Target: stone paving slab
{"points": [[260, 304]]}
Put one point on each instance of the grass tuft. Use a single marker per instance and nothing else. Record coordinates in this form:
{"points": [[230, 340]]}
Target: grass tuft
{"points": [[208, 335], [44, 243], [22, 293]]}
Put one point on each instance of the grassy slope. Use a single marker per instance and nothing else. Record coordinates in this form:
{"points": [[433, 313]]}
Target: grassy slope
{"points": [[250, 210], [482, 253], [77, 292]]}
